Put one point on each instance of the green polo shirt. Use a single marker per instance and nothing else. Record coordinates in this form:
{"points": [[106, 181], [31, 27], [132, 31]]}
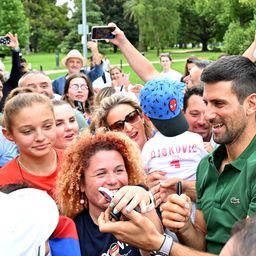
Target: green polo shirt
{"points": [[226, 197]]}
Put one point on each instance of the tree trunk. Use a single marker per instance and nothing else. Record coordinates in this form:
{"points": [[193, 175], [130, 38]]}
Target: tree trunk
{"points": [[115, 48], [204, 46]]}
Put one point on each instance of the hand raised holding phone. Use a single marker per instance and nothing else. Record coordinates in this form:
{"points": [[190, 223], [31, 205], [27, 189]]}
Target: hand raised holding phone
{"points": [[102, 32]]}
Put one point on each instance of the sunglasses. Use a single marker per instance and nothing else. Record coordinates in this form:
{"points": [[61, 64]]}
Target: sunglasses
{"points": [[130, 118]]}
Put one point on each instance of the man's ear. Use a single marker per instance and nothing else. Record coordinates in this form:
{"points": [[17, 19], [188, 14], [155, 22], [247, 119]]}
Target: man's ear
{"points": [[7, 134], [251, 104]]}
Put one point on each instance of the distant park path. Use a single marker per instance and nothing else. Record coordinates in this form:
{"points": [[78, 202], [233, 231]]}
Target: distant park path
{"points": [[56, 71]]}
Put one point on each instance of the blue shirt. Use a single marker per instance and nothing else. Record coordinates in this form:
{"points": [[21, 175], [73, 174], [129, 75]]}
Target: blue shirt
{"points": [[8, 149], [95, 243], [59, 83]]}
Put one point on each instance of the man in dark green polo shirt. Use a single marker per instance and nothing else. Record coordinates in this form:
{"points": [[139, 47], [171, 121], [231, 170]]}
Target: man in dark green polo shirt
{"points": [[226, 183], [226, 178]]}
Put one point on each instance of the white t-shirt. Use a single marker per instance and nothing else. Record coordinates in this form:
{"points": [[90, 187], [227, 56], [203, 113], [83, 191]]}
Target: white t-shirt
{"points": [[173, 75], [178, 156], [100, 83]]}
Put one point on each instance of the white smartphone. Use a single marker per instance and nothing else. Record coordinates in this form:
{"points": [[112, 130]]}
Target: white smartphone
{"points": [[108, 196], [106, 193], [102, 32]]}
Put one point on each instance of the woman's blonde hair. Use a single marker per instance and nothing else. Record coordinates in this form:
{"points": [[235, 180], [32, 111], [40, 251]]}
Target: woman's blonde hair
{"points": [[100, 115], [78, 158], [20, 99]]}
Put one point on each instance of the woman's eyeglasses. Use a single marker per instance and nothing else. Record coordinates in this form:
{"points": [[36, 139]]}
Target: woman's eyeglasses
{"points": [[76, 87], [130, 118]]}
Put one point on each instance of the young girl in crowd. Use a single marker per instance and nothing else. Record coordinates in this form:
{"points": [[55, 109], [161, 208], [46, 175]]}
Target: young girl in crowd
{"points": [[121, 83], [110, 160], [66, 124], [29, 122], [120, 112], [78, 92]]}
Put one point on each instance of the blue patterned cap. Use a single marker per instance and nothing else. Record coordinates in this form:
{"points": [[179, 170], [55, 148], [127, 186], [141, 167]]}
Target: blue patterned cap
{"points": [[161, 100]]}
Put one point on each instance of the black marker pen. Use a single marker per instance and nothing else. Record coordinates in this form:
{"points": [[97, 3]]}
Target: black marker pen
{"points": [[179, 188]]}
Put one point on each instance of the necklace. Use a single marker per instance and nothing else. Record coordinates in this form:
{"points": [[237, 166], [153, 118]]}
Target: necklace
{"points": [[22, 166]]}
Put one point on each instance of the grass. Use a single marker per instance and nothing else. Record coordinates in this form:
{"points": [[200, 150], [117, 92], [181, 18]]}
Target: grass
{"points": [[47, 61]]}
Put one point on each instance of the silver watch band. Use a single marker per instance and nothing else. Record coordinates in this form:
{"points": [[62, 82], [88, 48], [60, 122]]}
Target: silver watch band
{"points": [[165, 247]]}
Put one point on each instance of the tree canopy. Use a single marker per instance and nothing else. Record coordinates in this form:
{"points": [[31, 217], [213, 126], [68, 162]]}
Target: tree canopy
{"points": [[160, 24], [14, 20]]}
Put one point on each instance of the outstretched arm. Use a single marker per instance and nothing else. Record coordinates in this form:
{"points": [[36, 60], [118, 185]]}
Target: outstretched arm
{"points": [[147, 237], [96, 56], [251, 51], [136, 60]]}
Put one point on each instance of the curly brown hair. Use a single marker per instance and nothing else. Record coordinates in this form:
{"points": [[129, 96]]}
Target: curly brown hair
{"points": [[77, 160]]}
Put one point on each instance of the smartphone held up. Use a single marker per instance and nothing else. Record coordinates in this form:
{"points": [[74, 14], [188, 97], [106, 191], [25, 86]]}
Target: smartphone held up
{"points": [[102, 32], [5, 40]]}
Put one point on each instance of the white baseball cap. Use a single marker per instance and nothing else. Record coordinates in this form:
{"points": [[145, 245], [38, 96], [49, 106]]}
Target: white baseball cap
{"points": [[28, 217]]}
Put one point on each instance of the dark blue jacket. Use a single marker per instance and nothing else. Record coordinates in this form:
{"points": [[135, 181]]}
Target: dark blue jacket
{"points": [[59, 83]]}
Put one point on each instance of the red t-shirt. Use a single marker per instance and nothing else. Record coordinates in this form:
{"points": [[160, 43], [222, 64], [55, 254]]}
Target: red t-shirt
{"points": [[12, 173]]}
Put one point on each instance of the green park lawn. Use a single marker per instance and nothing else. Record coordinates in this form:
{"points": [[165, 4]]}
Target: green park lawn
{"points": [[47, 61]]}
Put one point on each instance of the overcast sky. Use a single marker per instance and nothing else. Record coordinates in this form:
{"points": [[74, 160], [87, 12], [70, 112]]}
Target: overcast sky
{"points": [[60, 2]]}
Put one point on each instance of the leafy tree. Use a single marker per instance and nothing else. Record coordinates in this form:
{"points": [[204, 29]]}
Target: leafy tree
{"points": [[238, 11], [13, 19], [241, 31], [113, 11], [93, 16], [157, 24], [250, 3], [48, 24], [201, 22], [238, 38]]}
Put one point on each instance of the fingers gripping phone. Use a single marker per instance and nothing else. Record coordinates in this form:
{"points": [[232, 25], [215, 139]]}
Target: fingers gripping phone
{"points": [[102, 32], [79, 106], [5, 40], [108, 196]]}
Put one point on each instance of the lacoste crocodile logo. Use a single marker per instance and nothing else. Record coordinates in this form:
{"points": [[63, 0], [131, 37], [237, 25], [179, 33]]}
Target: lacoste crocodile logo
{"points": [[234, 200]]}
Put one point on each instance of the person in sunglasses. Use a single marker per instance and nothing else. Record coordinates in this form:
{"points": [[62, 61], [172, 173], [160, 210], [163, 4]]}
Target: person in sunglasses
{"points": [[78, 92], [122, 113]]}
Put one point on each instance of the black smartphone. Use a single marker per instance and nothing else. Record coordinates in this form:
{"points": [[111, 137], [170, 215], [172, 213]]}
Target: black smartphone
{"points": [[5, 40], [102, 32], [79, 106]]}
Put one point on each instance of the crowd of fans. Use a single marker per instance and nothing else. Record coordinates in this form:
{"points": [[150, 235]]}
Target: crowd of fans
{"points": [[175, 156]]}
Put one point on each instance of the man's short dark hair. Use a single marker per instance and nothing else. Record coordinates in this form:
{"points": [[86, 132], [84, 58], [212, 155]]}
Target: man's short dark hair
{"points": [[201, 64], [238, 69], [244, 238], [195, 90]]}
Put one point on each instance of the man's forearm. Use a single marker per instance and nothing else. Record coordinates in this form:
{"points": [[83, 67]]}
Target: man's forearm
{"points": [[190, 236], [181, 250], [97, 57], [249, 52], [190, 189]]}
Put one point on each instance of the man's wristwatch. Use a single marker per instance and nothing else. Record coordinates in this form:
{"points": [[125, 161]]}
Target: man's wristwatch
{"points": [[165, 247]]}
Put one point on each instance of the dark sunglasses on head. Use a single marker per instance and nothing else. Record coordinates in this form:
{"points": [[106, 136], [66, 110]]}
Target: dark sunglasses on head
{"points": [[130, 118]]}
